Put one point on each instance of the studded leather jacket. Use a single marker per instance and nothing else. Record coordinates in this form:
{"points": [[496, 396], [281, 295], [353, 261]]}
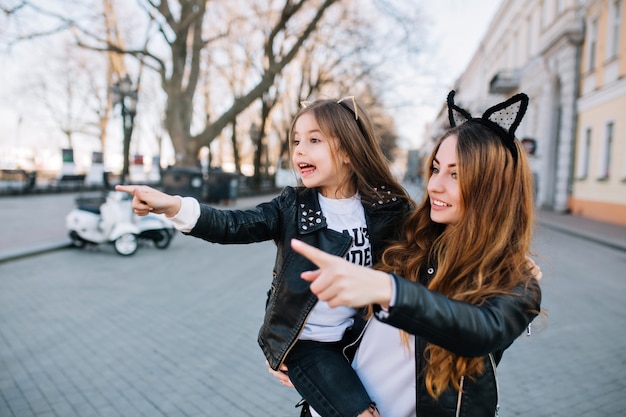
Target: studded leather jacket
{"points": [[295, 213]]}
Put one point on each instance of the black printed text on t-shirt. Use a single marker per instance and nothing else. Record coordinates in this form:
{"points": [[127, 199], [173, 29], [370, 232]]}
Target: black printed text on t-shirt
{"points": [[361, 252]]}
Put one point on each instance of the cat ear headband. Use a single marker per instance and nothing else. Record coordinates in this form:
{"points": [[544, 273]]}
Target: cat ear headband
{"points": [[503, 118]]}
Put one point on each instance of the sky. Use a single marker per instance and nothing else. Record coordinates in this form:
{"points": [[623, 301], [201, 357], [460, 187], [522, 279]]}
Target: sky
{"points": [[455, 31]]}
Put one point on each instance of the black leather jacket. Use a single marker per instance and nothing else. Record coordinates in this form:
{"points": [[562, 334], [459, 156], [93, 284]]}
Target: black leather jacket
{"points": [[465, 329], [295, 213]]}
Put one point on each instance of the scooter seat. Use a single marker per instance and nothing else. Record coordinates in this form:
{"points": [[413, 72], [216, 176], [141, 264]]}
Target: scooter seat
{"points": [[90, 208], [90, 204]]}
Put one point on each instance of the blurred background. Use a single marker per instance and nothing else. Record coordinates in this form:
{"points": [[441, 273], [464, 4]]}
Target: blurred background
{"points": [[186, 94]]}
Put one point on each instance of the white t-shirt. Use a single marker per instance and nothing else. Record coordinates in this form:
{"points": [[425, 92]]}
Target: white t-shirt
{"points": [[328, 324], [386, 366]]}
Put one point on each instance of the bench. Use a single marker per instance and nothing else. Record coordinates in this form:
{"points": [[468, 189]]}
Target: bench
{"points": [[16, 180], [69, 181]]}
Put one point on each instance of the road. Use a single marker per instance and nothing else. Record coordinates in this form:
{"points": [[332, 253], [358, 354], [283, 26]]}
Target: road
{"points": [[173, 333]]}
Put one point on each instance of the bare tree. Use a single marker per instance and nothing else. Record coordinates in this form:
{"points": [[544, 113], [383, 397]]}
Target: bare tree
{"points": [[182, 30], [299, 48]]}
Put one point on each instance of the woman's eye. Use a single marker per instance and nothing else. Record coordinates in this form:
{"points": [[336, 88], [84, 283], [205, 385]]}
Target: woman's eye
{"points": [[454, 175], [434, 170]]}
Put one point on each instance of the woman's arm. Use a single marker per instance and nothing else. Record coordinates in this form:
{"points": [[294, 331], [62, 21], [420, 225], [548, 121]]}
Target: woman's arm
{"points": [[342, 283], [462, 328]]}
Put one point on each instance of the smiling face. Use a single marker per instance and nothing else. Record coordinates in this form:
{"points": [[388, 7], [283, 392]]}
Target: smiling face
{"points": [[443, 186], [314, 156]]}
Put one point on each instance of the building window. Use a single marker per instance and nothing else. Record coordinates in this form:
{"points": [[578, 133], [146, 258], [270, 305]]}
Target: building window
{"points": [[583, 155], [613, 32], [605, 152], [592, 46]]}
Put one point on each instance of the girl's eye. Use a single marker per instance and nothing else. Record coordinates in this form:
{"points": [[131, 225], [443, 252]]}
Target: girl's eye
{"points": [[314, 140], [454, 175], [434, 169], [296, 142]]}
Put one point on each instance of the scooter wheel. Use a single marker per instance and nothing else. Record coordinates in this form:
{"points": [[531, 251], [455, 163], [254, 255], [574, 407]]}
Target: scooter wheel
{"points": [[126, 244], [163, 240], [76, 241]]}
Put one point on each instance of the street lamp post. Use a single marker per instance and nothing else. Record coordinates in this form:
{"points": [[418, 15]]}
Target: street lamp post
{"points": [[125, 94]]}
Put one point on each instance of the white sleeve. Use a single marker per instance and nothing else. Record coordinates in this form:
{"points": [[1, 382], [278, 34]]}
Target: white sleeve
{"points": [[188, 215], [384, 313]]}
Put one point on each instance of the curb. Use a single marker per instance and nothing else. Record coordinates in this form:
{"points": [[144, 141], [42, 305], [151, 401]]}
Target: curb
{"points": [[585, 235], [38, 249]]}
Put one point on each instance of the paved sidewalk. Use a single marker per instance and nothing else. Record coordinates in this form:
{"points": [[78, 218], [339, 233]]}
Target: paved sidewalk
{"points": [[608, 234]]}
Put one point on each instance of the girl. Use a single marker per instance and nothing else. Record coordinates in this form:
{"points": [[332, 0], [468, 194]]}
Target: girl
{"points": [[457, 284], [349, 205]]}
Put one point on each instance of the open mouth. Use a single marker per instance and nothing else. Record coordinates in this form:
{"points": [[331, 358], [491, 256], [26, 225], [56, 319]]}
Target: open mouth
{"points": [[306, 168]]}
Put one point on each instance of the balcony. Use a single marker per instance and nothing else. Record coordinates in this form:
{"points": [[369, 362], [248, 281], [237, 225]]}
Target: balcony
{"points": [[504, 82]]}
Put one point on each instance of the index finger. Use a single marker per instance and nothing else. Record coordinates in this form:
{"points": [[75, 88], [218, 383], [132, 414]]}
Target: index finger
{"points": [[318, 257], [126, 188]]}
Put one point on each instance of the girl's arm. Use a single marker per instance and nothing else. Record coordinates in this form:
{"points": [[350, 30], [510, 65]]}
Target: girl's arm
{"points": [[213, 225], [238, 226]]}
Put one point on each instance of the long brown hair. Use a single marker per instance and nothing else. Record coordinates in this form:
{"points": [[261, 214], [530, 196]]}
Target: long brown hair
{"points": [[351, 131], [481, 256]]}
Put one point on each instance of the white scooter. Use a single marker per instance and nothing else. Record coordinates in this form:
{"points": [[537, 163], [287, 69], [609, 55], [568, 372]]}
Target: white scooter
{"points": [[94, 221]]}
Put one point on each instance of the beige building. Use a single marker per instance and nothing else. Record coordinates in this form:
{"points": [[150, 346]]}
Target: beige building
{"points": [[599, 185]]}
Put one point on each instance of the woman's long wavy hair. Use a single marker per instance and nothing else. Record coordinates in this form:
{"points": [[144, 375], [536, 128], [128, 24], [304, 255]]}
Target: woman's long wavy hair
{"points": [[485, 253], [357, 138]]}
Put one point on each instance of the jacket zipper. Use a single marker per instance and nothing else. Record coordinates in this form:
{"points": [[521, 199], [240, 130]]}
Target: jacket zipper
{"points": [[495, 377], [459, 397], [492, 361], [282, 360]]}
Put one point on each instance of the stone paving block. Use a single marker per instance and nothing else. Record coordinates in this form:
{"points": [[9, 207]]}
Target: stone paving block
{"points": [[85, 409], [109, 411]]}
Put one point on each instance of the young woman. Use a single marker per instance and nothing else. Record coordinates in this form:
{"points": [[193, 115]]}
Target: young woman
{"points": [[349, 205], [458, 284]]}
